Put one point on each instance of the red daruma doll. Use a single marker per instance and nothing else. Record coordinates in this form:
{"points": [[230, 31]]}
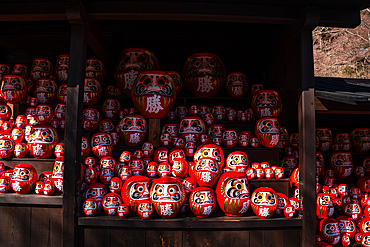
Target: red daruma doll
{"points": [[42, 140], [267, 103], [102, 144], [132, 62], [92, 91], [342, 164], [202, 202], [267, 131], [264, 202], [167, 196], [133, 130], [153, 93], [13, 88], [41, 68], [233, 193], [236, 84], [45, 91], [23, 179], [134, 191], [207, 171], [204, 74], [361, 139]]}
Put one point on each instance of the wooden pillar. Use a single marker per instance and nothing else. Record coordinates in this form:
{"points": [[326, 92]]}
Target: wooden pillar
{"points": [[154, 131], [307, 130], [73, 134]]}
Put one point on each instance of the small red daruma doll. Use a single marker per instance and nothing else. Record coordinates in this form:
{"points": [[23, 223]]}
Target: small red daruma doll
{"points": [[58, 174], [122, 210], [134, 191], [6, 147], [329, 231], [364, 184], [204, 74], [289, 211], [49, 189], [229, 138], [244, 138], [90, 207], [219, 112], [237, 161], [92, 91], [5, 112], [60, 111], [85, 147], [151, 169], [267, 103], [93, 116], [23, 179], [325, 139], [324, 206], [145, 210], [4, 70], [289, 164], [20, 69], [267, 131], [42, 140], [61, 68], [179, 168], [207, 171], [111, 108], [62, 94], [164, 169], [133, 130], [254, 142], [294, 141], [45, 91], [165, 140], [131, 63], [264, 202], [202, 202], [4, 184], [251, 173], [39, 189], [44, 113], [233, 193], [342, 164], [236, 84], [41, 68], [168, 196], [284, 138], [361, 139], [96, 191], [153, 93], [102, 144], [137, 166], [282, 202], [190, 128], [59, 150], [110, 203], [344, 141], [95, 69], [13, 88]]}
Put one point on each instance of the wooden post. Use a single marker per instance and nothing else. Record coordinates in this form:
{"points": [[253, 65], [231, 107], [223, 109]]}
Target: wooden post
{"points": [[73, 134], [154, 131]]}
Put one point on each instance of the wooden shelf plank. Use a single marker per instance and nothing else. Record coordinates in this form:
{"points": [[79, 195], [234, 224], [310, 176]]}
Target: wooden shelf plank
{"points": [[190, 221], [31, 199]]}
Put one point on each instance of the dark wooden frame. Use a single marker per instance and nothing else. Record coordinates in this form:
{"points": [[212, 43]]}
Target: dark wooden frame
{"points": [[84, 31]]}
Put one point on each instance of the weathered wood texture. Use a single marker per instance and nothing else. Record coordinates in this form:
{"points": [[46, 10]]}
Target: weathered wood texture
{"points": [[154, 131], [107, 237], [31, 226]]}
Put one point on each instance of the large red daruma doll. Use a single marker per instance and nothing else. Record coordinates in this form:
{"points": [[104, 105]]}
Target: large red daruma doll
{"points": [[132, 62], [190, 128], [264, 202], [236, 84], [133, 130], [232, 193], [102, 144], [325, 139], [267, 103], [13, 88], [153, 93], [23, 179], [206, 172], [6, 147], [209, 151], [267, 131], [329, 231], [134, 191], [204, 74], [342, 164], [45, 91], [168, 196], [361, 139], [92, 91], [42, 140]]}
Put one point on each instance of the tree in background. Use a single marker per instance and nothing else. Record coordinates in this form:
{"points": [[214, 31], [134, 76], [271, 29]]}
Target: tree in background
{"points": [[343, 52]]}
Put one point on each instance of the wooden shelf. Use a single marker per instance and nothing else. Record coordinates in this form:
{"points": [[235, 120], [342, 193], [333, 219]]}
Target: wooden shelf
{"points": [[31, 199], [219, 221]]}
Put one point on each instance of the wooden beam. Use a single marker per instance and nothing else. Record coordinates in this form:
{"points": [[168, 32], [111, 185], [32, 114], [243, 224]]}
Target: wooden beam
{"points": [[320, 106], [339, 18], [154, 131], [73, 134]]}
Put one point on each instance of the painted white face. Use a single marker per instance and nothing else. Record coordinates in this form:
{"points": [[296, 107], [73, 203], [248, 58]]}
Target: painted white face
{"points": [[145, 207], [264, 198], [111, 201], [331, 229], [139, 191], [324, 200], [189, 125], [207, 165], [203, 197], [166, 193], [134, 124], [237, 188], [346, 226], [207, 152], [41, 135], [270, 126], [21, 174]]}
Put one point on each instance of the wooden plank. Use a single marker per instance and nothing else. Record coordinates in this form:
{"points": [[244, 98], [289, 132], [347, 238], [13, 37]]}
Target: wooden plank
{"points": [[279, 186], [126, 237], [216, 221], [163, 238], [154, 131], [233, 238], [31, 199], [256, 238], [73, 134], [46, 227], [15, 226], [202, 238], [97, 237]]}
